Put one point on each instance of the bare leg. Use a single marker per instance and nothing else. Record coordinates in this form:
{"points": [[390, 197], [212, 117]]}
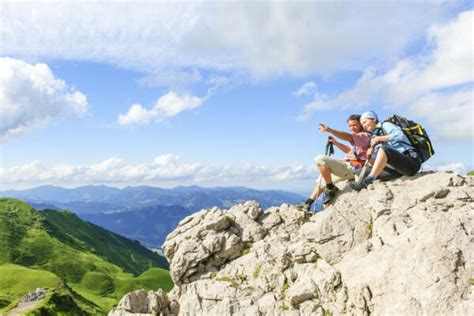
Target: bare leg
{"points": [[326, 173], [379, 164], [316, 192]]}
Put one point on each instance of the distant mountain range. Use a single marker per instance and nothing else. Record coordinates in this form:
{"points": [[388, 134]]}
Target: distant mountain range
{"points": [[82, 264], [144, 213], [104, 199]]}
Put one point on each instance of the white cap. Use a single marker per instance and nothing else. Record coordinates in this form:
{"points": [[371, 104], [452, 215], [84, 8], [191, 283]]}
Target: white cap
{"points": [[369, 115]]}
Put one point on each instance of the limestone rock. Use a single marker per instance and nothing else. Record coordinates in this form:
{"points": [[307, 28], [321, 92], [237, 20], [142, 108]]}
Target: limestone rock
{"points": [[35, 295], [140, 302], [403, 247]]}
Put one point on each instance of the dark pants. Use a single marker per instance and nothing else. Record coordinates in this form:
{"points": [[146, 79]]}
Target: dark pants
{"points": [[406, 164], [386, 174]]}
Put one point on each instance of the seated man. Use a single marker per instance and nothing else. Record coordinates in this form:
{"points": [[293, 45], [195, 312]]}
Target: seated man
{"points": [[333, 170], [391, 147]]}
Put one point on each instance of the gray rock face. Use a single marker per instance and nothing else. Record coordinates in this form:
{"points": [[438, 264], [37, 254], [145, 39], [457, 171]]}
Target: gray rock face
{"points": [[140, 302], [403, 247], [35, 295]]}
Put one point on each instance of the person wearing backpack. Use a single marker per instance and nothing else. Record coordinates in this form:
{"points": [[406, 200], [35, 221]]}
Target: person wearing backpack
{"points": [[388, 146], [335, 170]]}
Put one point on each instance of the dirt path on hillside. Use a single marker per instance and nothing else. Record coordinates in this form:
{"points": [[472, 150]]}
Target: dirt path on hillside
{"points": [[21, 308]]}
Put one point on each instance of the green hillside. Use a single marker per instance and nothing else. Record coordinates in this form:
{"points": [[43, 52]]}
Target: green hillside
{"points": [[471, 173], [84, 236], [16, 280], [94, 266]]}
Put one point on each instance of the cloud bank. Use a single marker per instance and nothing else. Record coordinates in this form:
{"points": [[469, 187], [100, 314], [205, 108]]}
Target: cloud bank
{"points": [[173, 41], [166, 169]]}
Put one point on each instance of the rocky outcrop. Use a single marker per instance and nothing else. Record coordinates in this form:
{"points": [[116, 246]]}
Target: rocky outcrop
{"points": [[36, 295], [141, 302], [403, 247]]}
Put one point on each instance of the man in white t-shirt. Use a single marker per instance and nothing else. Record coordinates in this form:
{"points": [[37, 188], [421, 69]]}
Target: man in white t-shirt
{"points": [[334, 170]]}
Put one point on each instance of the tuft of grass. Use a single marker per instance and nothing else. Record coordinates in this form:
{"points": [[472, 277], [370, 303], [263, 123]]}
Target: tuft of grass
{"points": [[241, 277], [284, 307], [245, 249], [284, 288], [213, 275], [229, 280], [256, 273], [369, 227], [328, 313], [4, 301], [471, 281]]}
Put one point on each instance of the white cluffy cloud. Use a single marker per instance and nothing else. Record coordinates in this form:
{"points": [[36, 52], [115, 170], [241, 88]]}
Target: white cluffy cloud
{"points": [[309, 88], [167, 106], [262, 39], [31, 96], [436, 86], [165, 169]]}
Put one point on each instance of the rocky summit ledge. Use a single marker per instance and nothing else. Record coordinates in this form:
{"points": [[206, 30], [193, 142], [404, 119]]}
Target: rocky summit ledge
{"points": [[403, 247]]}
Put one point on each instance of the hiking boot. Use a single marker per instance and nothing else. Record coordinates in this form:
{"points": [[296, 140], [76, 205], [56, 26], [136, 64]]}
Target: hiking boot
{"points": [[306, 205], [362, 184], [329, 194]]}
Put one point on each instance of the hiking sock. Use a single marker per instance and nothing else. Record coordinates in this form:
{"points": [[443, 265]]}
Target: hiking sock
{"points": [[369, 179], [362, 184], [306, 204]]}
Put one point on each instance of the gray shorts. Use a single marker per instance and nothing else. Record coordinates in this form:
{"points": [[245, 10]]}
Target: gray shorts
{"points": [[340, 170]]}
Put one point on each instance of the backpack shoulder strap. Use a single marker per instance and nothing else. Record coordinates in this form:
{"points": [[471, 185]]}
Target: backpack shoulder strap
{"points": [[379, 131]]}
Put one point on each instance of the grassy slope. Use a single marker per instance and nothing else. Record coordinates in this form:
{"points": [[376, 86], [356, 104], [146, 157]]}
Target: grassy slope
{"points": [[129, 255], [97, 287], [28, 239], [471, 173], [16, 280], [16, 219]]}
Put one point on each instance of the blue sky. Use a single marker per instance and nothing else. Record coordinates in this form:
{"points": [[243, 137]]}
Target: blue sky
{"points": [[202, 93]]}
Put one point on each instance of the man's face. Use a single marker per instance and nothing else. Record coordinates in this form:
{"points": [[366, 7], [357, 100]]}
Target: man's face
{"points": [[354, 126]]}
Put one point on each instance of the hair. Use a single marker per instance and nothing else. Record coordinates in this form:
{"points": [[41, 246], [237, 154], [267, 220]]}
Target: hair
{"points": [[354, 117]]}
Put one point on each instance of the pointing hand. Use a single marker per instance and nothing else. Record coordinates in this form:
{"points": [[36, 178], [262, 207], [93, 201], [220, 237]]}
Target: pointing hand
{"points": [[323, 128]]}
